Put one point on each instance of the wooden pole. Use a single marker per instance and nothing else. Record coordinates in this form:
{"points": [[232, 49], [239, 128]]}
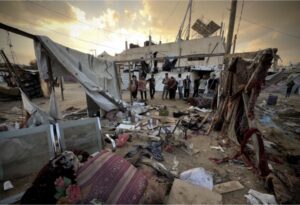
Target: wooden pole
{"points": [[17, 31], [231, 26], [50, 73], [129, 73], [62, 88], [221, 29], [190, 19], [234, 42]]}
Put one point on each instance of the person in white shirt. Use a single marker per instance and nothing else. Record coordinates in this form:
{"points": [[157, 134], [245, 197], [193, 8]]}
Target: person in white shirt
{"points": [[180, 86]]}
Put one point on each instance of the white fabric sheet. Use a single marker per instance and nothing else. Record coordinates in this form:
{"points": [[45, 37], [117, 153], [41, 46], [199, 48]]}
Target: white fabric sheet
{"points": [[98, 77]]}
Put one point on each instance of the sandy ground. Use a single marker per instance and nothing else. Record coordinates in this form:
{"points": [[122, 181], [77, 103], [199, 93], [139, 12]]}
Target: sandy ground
{"points": [[74, 96]]}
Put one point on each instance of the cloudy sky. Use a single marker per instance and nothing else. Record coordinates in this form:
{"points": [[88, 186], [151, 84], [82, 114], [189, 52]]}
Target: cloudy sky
{"points": [[107, 24]]}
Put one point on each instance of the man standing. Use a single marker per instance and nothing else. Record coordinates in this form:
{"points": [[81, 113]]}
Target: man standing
{"points": [[180, 86], [142, 87], [212, 84], [196, 86], [213, 90], [172, 85], [134, 87], [151, 82], [165, 89], [187, 86]]}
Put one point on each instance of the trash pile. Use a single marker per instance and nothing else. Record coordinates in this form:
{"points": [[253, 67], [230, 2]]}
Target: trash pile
{"points": [[153, 124]]}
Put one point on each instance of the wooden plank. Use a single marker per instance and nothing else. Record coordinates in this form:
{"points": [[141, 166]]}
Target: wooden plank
{"points": [[17, 31], [185, 193], [228, 187]]}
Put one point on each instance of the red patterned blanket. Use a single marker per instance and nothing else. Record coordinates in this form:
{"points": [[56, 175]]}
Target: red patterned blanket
{"points": [[109, 178]]}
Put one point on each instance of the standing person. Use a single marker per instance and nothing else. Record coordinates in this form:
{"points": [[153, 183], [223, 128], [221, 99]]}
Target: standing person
{"points": [[151, 82], [196, 86], [142, 87], [165, 89], [172, 88], [180, 86], [134, 87], [212, 84], [289, 88], [187, 86]]}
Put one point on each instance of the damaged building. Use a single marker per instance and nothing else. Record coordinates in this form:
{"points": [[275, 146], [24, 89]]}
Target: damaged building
{"points": [[89, 141]]}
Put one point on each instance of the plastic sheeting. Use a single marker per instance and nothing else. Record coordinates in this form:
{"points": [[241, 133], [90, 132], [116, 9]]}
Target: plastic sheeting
{"points": [[38, 116], [98, 77]]}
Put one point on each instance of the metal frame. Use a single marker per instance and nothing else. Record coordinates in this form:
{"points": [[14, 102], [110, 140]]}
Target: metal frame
{"points": [[74, 123], [33, 130], [49, 129]]}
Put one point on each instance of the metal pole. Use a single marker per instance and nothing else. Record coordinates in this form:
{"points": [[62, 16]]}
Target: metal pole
{"points": [[231, 26], [190, 19]]}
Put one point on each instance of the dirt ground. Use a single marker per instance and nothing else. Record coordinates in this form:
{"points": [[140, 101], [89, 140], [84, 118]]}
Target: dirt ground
{"points": [[74, 96]]}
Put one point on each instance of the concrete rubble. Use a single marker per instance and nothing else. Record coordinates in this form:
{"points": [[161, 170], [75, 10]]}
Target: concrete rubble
{"points": [[196, 153]]}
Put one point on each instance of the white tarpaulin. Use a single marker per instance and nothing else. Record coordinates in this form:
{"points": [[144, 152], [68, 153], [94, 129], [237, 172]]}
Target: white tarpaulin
{"points": [[37, 116], [98, 77]]}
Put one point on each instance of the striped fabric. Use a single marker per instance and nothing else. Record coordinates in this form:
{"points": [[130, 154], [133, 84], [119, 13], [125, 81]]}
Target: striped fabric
{"points": [[110, 178]]}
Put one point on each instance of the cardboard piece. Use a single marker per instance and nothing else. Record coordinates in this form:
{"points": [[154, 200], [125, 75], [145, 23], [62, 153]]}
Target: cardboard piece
{"points": [[227, 187], [186, 193]]}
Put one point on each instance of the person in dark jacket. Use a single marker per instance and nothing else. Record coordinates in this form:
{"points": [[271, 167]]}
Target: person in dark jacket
{"points": [[187, 86], [196, 86], [151, 82], [172, 88]]}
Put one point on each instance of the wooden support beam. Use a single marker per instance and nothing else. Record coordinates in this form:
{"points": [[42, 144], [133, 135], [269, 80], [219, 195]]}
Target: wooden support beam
{"points": [[62, 88], [17, 31], [203, 55], [231, 25]]}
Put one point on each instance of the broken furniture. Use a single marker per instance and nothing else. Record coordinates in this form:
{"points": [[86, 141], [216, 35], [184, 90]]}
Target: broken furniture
{"points": [[22, 153], [82, 134]]}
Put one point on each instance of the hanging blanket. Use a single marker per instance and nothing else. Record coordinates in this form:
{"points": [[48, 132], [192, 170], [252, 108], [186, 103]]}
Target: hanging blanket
{"points": [[110, 178]]}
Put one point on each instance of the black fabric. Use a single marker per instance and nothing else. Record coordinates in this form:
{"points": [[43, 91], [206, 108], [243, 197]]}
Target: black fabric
{"points": [[152, 92], [186, 93], [143, 95]]}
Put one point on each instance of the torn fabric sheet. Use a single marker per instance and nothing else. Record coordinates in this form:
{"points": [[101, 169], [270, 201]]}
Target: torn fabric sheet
{"points": [[37, 116], [98, 77], [53, 108]]}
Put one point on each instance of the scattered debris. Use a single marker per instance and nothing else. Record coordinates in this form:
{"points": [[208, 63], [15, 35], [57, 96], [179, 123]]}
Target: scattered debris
{"points": [[7, 185], [217, 148], [198, 176], [228, 187], [255, 197], [183, 192]]}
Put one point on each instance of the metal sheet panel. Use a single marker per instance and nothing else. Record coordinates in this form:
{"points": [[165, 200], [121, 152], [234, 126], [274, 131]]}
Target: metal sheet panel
{"points": [[83, 134], [25, 151], [205, 30]]}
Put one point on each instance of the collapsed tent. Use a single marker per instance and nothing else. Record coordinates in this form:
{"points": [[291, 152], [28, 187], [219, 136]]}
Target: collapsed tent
{"points": [[98, 77]]}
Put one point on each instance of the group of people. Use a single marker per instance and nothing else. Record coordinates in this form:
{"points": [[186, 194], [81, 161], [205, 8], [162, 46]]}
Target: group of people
{"points": [[171, 85], [140, 86]]}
